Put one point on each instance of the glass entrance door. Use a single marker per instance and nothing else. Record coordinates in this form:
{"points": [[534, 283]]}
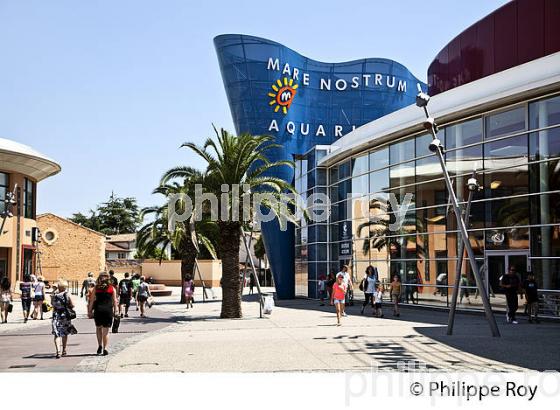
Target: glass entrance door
{"points": [[498, 263]]}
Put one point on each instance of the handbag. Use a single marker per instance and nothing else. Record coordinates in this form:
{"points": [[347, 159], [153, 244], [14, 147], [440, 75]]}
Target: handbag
{"points": [[45, 307], [10, 307], [70, 313], [116, 324]]}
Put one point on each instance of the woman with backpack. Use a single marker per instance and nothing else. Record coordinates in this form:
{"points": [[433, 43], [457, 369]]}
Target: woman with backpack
{"points": [[39, 297], [143, 295], [103, 307], [63, 313]]}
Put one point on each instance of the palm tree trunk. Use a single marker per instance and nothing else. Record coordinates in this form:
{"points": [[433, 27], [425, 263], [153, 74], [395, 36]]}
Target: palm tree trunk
{"points": [[188, 256], [231, 283]]}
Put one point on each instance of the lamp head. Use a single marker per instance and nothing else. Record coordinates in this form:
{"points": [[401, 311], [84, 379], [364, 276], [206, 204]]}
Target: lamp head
{"points": [[10, 199], [473, 185], [422, 99], [436, 145], [430, 124]]}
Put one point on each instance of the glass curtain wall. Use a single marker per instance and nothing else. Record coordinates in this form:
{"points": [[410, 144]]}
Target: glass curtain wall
{"points": [[514, 220]]}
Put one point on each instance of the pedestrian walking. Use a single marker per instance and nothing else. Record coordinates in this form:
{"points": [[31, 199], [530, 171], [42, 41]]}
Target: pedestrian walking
{"points": [[143, 295], [378, 297], [322, 289], [125, 294], [367, 285], [530, 288], [330, 283], [338, 297], [5, 299], [251, 284], [348, 283], [511, 284], [39, 297], [114, 280], [188, 290], [25, 292], [63, 313], [464, 283], [395, 291], [102, 308], [86, 286], [135, 285]]}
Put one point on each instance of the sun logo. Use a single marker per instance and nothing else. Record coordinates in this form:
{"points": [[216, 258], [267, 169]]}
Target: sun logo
{"points": [[283, 95]]}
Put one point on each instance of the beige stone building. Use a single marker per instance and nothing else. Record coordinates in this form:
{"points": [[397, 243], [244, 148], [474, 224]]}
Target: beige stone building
{"points": [[68, 250]]}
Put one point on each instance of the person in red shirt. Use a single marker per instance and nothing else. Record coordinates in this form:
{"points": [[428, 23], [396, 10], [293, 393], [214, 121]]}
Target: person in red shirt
{"points": [[338, 295], [103, 307]]}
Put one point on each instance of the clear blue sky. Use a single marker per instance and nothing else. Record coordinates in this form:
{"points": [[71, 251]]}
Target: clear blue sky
{"points": [[111, 88]]}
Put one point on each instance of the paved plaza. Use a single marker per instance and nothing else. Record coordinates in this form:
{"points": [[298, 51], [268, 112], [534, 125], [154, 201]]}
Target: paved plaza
{"points": [[299, 336]]}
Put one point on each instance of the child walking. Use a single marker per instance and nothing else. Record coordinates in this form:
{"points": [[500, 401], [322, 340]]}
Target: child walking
{"points": [[338, 295], [378, 298]]}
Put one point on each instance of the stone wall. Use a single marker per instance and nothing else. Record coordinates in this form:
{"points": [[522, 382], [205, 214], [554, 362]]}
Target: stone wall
{"points": [[69, 251], [169, 272]]}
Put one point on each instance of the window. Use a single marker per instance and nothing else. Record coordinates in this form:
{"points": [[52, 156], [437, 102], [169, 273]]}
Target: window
{"points": [[378, 159], [545, 113], [506, 122], [3, 190], [465, 133], [402, 151], [28, 199]]}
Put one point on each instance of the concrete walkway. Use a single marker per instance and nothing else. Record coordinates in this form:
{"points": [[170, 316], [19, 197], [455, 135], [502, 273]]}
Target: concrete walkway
{"points": [[29, 346], [299, 336], [302, 336]]}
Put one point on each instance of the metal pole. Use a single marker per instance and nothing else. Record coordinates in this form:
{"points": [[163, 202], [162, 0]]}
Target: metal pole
{"points": [[458, 269], [246, 263], [460, 222], [204, 295], [253, 270]]}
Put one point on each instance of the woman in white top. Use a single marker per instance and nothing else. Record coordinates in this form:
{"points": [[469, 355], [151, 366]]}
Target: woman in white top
{"points": [[368, 286], [5, 299], [39, 298]]}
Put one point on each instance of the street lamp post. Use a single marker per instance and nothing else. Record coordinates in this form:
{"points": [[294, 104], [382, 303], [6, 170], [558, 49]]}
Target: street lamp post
{"points": [[473, 187], [436, 147]]}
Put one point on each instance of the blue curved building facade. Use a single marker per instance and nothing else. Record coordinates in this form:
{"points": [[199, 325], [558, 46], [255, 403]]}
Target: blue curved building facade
{"points": [[303, 104]]}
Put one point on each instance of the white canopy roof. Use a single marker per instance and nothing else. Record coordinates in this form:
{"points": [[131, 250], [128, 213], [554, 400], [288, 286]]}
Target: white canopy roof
{"points": [[16, 157], [509, 86]]}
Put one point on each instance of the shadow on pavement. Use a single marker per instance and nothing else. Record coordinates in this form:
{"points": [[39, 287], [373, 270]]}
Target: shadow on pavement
{"points": [[532, 346]]}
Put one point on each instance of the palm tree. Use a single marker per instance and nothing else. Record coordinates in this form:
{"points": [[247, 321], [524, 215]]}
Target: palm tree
{"points": [[243, 161], [155, 234], [379, 235]]}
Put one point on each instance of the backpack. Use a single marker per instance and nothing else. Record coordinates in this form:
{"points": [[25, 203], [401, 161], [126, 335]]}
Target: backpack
{"points": [[124, 288]]}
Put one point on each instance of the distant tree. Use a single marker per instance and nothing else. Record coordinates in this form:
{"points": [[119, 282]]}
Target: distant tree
{"points": [[117, 215], [91, 222], [259, 248], [154, 253]]}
